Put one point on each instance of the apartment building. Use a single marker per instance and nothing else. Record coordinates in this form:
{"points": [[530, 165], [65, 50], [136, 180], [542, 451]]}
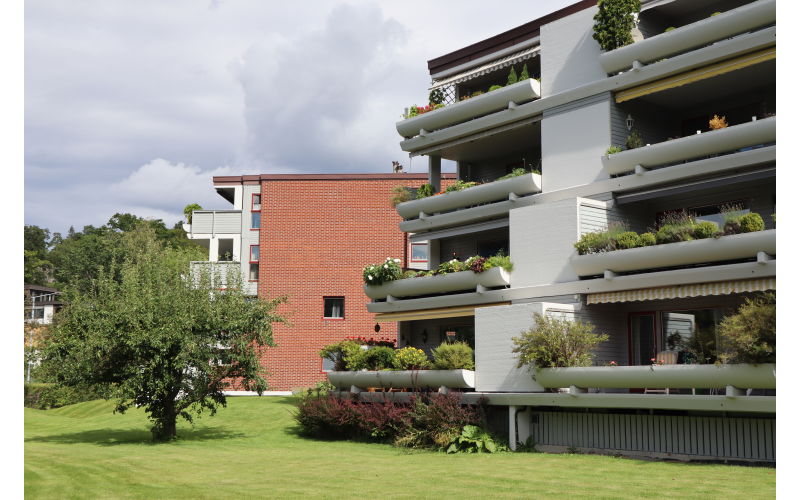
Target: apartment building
{"points": [[692, 62], [306, 237], [41, 303]]}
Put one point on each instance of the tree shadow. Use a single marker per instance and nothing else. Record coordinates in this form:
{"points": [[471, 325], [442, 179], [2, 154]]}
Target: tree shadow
{"points": [[112, 437]]}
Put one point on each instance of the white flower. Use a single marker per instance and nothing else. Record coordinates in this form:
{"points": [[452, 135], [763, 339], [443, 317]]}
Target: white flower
{"points": [[386, 266], [454, 260], [397, 260], [388, 258], [369, 277]]}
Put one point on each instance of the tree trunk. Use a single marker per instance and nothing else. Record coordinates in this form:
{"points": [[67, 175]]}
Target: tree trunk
{"points": [[165, 426]]}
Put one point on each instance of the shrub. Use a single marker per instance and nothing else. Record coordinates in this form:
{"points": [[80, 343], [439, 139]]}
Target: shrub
{"points": [[424, 191], [330, 417], [751, 222], [613, 150], [614, 22], [399, 195], [459, 185], [44, 396], [600, 241], [628, 239], [715, 14], [514, 173], [705, 229], [411, 358], [717, 122], [436, 96], [524, 75], [435, 421], [474, 439], [675, 227], [669, 29], [499, 260], [410, 274], [343, 354], [451, 266], [749, 335], [475, 264], [495, 87], [555, 342], [512, 77], [647, 239], [634, 140], [476, 93], [378, 274], [378, 358], [455, 356]]}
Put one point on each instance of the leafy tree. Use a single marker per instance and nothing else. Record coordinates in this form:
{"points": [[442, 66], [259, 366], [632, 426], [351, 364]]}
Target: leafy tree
{"points": [[614, 22], [749, 335], [159, 339], [187, 211], [38, 269]]}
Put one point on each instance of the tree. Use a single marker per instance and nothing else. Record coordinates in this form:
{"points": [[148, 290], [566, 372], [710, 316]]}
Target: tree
{"points": [[158, 338], [749, 336], [556, 342], [38, 269], [512, 77], [524, 73], [188, 209], [614, 21]]}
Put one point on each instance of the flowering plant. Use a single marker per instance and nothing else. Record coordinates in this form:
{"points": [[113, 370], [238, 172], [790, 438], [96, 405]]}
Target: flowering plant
{"points": [[377, 274], [656, 362], [421, 110]]}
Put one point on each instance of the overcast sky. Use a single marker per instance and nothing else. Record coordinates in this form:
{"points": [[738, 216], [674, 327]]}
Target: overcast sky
{"points": [[132, 106]]}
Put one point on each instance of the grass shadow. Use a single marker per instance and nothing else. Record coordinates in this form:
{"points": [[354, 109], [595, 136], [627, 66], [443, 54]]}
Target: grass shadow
{"points": [[112, 437]]}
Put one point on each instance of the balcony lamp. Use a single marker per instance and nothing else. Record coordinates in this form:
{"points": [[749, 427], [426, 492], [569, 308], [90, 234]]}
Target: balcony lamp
{"points": [[629, 122]]}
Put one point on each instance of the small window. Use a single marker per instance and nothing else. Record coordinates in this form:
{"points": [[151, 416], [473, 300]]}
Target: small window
{"points": [[254, 253], [256, 202], [327, 365], [253, 272], [419, 252], [38, 313], [255, 220], [334, 308]]}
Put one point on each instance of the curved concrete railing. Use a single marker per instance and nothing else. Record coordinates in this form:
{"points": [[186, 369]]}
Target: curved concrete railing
{"points": [[491, 191], [693, 146], [456, 379], [733, 22], [736, 246], [497, 100], [744, 376], [464, 280]]}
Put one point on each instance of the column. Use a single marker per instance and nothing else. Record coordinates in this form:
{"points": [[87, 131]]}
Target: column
{"points": [[435, 172]]}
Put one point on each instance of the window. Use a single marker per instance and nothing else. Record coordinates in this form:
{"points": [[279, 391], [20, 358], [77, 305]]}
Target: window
{"points": [[37, 313], [254, 253], [256, 205], [255, 220], [253, 276], [419, 252], [333, 308], [327, 365]]}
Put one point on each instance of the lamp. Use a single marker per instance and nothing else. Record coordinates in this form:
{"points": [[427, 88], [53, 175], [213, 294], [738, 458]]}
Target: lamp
{"points": [[629, 122], [377, 327]]}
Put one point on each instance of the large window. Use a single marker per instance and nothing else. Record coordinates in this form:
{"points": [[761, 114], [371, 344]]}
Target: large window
{"points": [[333, 308], [419, 252], [255, 220]]}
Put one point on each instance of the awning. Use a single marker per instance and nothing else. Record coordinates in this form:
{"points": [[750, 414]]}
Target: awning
{"points": [[442, 312], [697, 74], [503, 62], [682, 291]]}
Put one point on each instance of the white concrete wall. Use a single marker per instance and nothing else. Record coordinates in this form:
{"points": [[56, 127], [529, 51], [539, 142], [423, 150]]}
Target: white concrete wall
{"points": [[572, 143], [541, 239], [248, 237], [570, 56]]}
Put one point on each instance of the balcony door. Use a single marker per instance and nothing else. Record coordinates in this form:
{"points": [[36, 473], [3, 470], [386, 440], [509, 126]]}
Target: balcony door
{"points": [[642, 338]]}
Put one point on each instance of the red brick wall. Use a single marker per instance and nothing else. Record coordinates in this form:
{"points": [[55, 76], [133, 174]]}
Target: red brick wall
{"points": [[316, 237]]}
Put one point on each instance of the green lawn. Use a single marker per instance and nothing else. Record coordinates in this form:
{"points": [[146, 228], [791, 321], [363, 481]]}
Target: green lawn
{"points": [[250, 450]]}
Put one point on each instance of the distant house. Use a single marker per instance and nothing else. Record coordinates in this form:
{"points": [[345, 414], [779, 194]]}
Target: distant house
{"points": [[41, 303]]}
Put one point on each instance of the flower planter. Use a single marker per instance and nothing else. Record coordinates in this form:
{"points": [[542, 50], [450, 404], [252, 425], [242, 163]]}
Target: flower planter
{"points": [[693, 146], [456, 379], [497, 100], [745, 376], [492, 191], [736, 246], [464, 280]]}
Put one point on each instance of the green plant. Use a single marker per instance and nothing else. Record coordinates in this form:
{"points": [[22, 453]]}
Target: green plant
{"points": [[512, 77], [614, 22], [411, 358], [344, 355], [424, 191], [669, 29], [600, 241], [749, 335], [613, 150], [495, 87], [647, 239], [524, 73], [378, 358], [499, 260], [187, 211], [514, 173], [556, 342], [476, 93], [399, 195], [751, 222], [436, 96], [675, 227], [529, 446], [473, 439], [628, 239], [451, 266], [454, 356], [44, 396], [410, 274], [715, 14], [377, 274], [459, 185], [705, 229], [634, 140]]}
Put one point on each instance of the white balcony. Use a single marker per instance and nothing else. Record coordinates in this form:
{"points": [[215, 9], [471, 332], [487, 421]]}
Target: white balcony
{"points": [[215, 222], [694, 146], [460, 112], [743, 376], [430, 285], [454, 379], [698, 34], [733, 247]]}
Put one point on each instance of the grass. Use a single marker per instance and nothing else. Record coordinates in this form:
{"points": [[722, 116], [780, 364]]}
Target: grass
{"points": [[250, 449]]}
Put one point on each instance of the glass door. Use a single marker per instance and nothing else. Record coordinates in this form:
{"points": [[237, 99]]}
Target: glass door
{"points": [[642, 338]]}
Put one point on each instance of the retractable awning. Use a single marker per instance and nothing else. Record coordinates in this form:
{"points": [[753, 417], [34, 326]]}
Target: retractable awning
{"points": [[696, 75], [442, 312], [483, 69], [682, 291]]}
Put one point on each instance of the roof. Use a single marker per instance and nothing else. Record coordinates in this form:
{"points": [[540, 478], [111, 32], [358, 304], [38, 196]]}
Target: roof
{"points": [[503, 40], [239, 179], [39, 288]]}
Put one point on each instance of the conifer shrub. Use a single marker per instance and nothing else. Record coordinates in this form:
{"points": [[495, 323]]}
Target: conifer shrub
{"points": [[512, 77], [454, 356]]}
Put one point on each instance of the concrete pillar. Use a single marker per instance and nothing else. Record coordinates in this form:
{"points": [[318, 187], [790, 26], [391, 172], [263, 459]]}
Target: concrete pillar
{"points": [[213, 249], [512, 427], [435, 172]]}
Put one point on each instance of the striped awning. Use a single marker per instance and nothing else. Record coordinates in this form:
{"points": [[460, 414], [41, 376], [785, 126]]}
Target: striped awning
{"points": [[442, 312], [696, 74], [503, 62], [682, 291]]}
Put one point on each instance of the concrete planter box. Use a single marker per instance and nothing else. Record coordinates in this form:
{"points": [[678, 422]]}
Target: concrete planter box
{"points": [[460, 112], [736, 246], [698, 34], [743, 376], [492, 191], [464, 280], [715, 141], [455, 379]]}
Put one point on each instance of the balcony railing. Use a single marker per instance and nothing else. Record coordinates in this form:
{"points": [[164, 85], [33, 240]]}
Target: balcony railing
{"points": [[733, 247], [430, 285], [454, 379], [215, 222], [460, 112], [743, 376], [694, 146], [698, 34]]}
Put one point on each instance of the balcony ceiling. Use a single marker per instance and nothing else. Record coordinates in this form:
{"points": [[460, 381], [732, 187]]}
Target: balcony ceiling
{"points": [[518, 140]]}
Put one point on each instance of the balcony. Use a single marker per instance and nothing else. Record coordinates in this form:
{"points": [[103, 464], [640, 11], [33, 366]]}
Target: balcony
{"points": [[698, 34], [493, 199], [431, 285], [452, 379], [734, 138], [221, 274], [215, 222], [759, 244], [460, 112]]}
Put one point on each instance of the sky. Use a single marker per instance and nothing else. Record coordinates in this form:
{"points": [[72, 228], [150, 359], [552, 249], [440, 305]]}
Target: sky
{"points": [[133, 106]]}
